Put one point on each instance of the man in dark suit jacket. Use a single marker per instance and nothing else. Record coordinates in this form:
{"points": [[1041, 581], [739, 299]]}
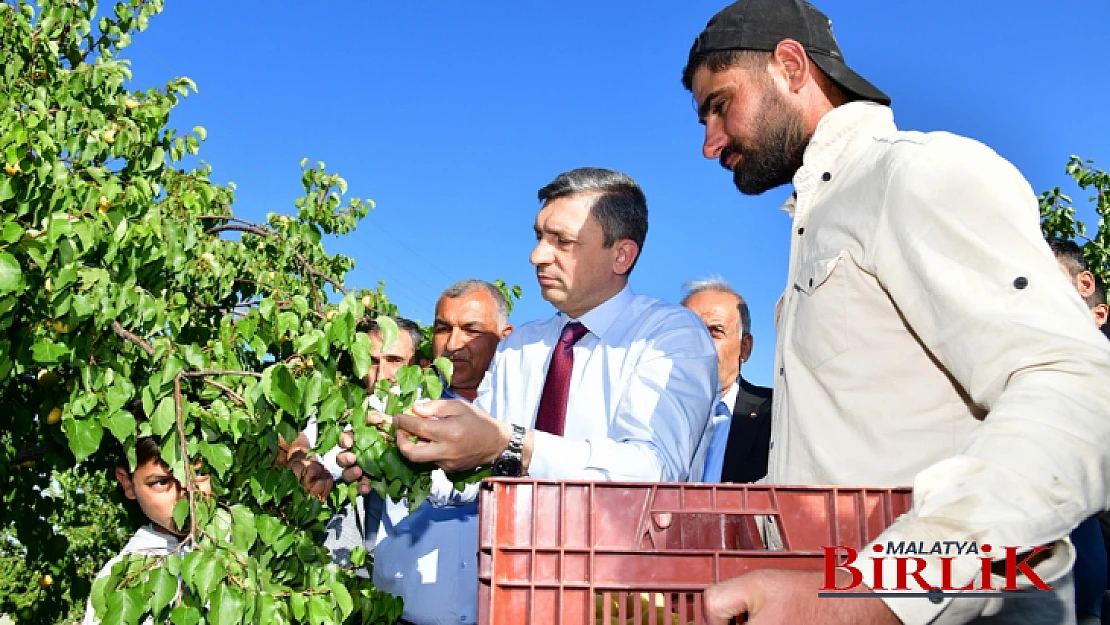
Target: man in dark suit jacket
{"points": [[742, 428]]}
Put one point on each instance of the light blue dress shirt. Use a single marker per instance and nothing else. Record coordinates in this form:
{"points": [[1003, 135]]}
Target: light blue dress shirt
{"points": [[641, 392]]}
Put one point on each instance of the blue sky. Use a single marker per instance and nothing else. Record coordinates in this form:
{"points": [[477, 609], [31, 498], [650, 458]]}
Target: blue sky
{"points": [[451, 115]]}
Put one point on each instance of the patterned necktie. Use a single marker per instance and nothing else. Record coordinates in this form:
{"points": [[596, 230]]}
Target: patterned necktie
{"points": [[552, 414]]}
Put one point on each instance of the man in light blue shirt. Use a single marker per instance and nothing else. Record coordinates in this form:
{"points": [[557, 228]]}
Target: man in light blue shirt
{"points": [[636, 383], [625, 383]]}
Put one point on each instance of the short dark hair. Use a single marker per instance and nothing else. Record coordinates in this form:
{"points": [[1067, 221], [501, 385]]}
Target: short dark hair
{"points": [[720, 60], [404, 325], [620, 206], [1069, 254]]}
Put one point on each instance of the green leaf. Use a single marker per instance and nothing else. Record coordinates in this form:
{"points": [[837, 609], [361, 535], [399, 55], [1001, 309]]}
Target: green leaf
{"points": [[433, 386], [121, 424], [84, 437], [281, 389], [313, 389], [180, 512], [11, 276], [360, 353], [320, 611], [389, 331], [218, 456], [12, 231], [124, 606], [209, 572], [342, 598], [185, 615], [269, 528], [164, 417], [243, 530], [358, 556], [445, 367], [48, 352], [164, 588], [408, 378]]}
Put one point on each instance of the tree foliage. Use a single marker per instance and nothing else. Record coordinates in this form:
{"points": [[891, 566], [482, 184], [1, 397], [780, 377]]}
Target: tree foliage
{"points": [[1058, 215], [128, 287]]}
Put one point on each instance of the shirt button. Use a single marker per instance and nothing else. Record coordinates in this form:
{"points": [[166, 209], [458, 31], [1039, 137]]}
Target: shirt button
{"points": [[801, 231], [781, 370], [826, 176], [1021, 282]]}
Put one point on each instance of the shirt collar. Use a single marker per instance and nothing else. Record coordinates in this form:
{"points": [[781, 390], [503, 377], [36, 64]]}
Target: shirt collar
{"points": [[601, 318], [829, 147], [729, 397]]}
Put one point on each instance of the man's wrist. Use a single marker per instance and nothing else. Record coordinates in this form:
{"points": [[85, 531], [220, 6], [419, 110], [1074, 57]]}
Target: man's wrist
{"points": [[504, 436]]}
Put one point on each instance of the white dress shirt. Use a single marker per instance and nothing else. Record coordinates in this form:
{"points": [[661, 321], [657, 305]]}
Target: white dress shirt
{"points": [[430, 557], [641, 391], [927, 337]]}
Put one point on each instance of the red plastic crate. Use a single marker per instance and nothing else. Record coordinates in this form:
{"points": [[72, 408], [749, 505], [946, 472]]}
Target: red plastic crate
{"points": [[581, 553]]}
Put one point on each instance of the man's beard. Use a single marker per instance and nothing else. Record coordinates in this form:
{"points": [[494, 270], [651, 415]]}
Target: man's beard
{"points": [[775, 154]]}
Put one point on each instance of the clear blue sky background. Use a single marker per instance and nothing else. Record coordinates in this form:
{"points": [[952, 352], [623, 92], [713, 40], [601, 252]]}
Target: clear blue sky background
{"points": [[451, 115]]}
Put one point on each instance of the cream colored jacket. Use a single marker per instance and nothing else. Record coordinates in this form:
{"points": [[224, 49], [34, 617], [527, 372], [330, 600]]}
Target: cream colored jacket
{"points": [[927, 337]]}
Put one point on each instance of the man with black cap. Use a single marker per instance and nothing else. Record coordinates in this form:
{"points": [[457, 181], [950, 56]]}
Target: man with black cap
{"points": [[924, 336]]}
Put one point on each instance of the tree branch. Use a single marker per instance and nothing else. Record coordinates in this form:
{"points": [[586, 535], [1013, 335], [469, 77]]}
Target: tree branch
{"points": [[207, 372], [235, 397], [124, 334], [190, 486], [237, 228], [316, 272]]}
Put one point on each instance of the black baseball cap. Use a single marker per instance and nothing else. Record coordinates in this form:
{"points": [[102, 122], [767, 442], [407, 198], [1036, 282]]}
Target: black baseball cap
{"points": [[762, 24]]}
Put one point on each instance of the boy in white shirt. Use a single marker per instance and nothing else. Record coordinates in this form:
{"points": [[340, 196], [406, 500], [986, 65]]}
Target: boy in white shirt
{"points": [[153, 486]]}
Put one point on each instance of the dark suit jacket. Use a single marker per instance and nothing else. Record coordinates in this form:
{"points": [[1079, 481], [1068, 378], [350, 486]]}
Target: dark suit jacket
{"points": [[749, 436]]}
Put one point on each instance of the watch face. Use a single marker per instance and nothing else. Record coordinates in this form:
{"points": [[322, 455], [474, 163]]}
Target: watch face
{"points": [[507, 467]]}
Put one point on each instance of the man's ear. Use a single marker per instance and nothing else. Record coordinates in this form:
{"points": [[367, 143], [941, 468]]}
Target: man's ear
{"points": [[746, 345], [791, 59], [1085, 283], [124, 479], [506, 331], [1101, 313], [626, 253]]}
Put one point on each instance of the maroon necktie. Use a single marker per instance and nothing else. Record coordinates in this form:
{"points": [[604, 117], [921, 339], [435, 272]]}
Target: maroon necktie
{"points": [[552, 414]]}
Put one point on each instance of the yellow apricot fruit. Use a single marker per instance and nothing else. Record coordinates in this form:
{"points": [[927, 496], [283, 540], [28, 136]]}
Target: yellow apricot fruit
{"points": [[131, 103], [45, 581], [109, 136], [12, 169], [54, 417], [46, 378]]}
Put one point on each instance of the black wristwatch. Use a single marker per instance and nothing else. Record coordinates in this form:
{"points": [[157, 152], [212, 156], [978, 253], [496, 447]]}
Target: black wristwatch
{"points": [[511, 461]]}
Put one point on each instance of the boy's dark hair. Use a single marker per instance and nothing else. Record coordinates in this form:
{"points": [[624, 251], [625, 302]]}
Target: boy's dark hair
{"points": [[1069, 254], [147, 448]]}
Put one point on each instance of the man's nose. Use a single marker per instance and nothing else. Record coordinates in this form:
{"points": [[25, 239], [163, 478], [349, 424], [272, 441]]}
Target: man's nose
{"points": [[715, 140], [456, 340], [541, 254]]}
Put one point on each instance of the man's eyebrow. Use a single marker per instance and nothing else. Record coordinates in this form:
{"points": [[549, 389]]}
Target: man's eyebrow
{"points": [[703, 108]]}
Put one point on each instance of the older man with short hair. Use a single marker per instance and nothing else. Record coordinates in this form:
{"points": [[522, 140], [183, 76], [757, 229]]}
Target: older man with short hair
{"points": [[740, 434]]}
